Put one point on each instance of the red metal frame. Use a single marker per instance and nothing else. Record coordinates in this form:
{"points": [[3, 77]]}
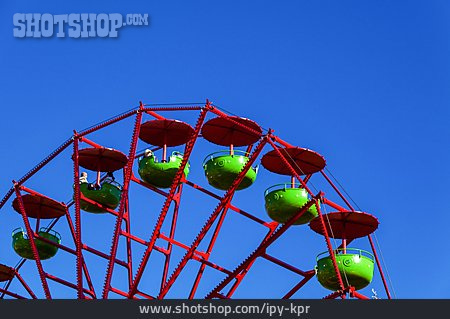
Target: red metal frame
{"points": [[76, 178], [123, 202], [222, 207], [31, 235], [123, 218], [177, 179]]}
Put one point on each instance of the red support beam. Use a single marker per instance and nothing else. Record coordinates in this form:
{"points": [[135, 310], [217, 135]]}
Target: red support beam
{"points": [[11, 294], [78, 243], [146, 296], [30, 235], [177, 179], [69, 284], [288, 165], [307, 178], [281, 142], [330, 248], [105, 208], [25, 285], [174, 108], [298, 286], [74, 237], [240, 277], [336, 294], [208, 252], [386, 288], [126, 219], [104, 256], [355, 294], [119, 292], [154, 114], [221, 206], [337, 190], [23, 260], [89, 142], [108, 122], [67, 249], [181, 245], [127, 177], [35, 169], [284, 265], [153, 188], [211, 264], [332, 204], [231, 206], [262, 248], [176, 200], [133, 237]]}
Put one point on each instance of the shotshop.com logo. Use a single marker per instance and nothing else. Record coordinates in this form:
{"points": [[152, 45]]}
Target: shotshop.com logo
{"points": [[74, 25]]}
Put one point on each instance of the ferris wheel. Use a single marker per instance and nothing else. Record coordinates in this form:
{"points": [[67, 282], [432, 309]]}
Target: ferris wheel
{"points": [[159, 161]]}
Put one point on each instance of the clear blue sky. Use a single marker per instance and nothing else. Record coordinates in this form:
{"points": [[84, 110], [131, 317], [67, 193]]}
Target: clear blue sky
{"points": [[365, 83]]}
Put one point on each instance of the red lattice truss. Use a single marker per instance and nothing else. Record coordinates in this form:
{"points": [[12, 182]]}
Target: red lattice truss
{"points": [[233, 278]]}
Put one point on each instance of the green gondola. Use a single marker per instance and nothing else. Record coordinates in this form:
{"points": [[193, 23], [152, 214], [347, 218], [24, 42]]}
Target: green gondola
{"points": [[222, 168], [161, 174], [356, 269], [282, 202], [108, 195], [21, 243]]}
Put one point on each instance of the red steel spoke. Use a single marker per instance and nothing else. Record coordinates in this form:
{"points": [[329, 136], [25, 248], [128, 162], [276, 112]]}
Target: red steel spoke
{"points": [[128, 171], [221, 206], [262, 248], [30, 235], [78, 244], [162, 215]]}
